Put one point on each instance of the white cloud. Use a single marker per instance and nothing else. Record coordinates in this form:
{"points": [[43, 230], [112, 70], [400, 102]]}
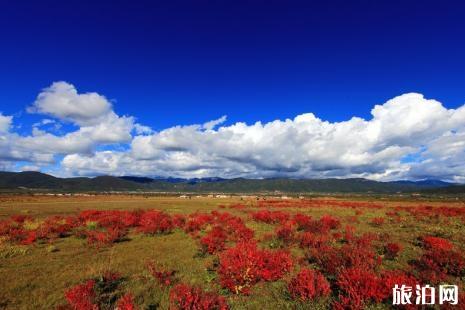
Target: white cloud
{"points": [[98, 125], [305, 146], [43, 122], [61, 100], [29, 168], [212, 124], [5, 123], [406, 137], [142, 130]]}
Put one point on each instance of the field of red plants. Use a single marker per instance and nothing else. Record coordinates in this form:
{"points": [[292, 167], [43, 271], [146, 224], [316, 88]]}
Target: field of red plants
{"points": [[309, 254]]}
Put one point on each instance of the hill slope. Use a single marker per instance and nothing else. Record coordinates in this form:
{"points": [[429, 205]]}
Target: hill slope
{"points": [[43, 182]]}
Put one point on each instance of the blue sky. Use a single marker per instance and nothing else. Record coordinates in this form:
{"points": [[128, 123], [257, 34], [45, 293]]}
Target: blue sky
{"points": [[176, 63]]}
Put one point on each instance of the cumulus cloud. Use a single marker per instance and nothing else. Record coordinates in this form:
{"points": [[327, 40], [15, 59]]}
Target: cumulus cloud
{"points": [[5, 123], [407, 137], [62, 100], [305, 146], [212, 124], [98, 125]]}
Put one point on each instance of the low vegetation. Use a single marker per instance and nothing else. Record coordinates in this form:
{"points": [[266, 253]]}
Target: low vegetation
{"points": [[171, 254]]}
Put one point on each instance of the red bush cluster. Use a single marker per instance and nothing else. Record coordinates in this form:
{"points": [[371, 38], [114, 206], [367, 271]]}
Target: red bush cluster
{"points": [[308, 284], [155, 222], [184, 296], [164, 277], [329, 222], [82, 296], [106, 236], [436, 243], [110, 218], [430, 212], [357, 253], [55, 227], [98, 293], [304, 222], [316, 203], [226, 228], [126, 303], [214, 241], [435, 265], [270, 217], [244, 265], [377, 221], [197, 222], [439, 260], [357, 287], [311, 240], [234, 226], [286, 232], [391, 250]]}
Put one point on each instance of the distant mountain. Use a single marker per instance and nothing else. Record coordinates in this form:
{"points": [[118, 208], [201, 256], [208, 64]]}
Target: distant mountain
{"points": [[143, 180], [37, 181], [425, 183]]}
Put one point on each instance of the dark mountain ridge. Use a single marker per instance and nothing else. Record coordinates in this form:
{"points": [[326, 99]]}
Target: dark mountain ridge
{"points": [[43, 182]]}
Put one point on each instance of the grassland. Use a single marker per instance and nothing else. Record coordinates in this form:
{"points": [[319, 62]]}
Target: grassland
{"points": [[36, 276]]}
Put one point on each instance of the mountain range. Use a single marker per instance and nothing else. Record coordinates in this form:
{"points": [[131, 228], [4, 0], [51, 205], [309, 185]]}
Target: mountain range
{"points": [[37, 181]]}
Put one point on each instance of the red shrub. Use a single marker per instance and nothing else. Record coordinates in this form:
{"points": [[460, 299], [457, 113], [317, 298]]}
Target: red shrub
{"points": [[308, 239], [270, 217], [242, 234], [22, 236], [5, 227], [214, 241], [303, 221], [244, 265], [234, 226], [275, 265], [355, 254], [240, 267], [197, 222], [358, 287], [164, 277], [105, 237], [183, 296], [286, 232], [155, 222], [19, 218], [129, 219], [377, 221], [126, 303], [237, 206], [353, 219], [56, 227], [179, 220], [436, 243], [330, 222], [349, 233], [391, 250], [389, 279], [393, 214], [94, 294], [321, 226], [308, 284], [82, 296], [435, 264]]}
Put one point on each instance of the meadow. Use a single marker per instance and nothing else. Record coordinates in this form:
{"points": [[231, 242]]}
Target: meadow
{"points": [[136, 252]]}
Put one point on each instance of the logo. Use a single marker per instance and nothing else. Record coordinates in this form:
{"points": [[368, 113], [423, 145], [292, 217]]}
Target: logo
{"points": [[425, 295]]}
